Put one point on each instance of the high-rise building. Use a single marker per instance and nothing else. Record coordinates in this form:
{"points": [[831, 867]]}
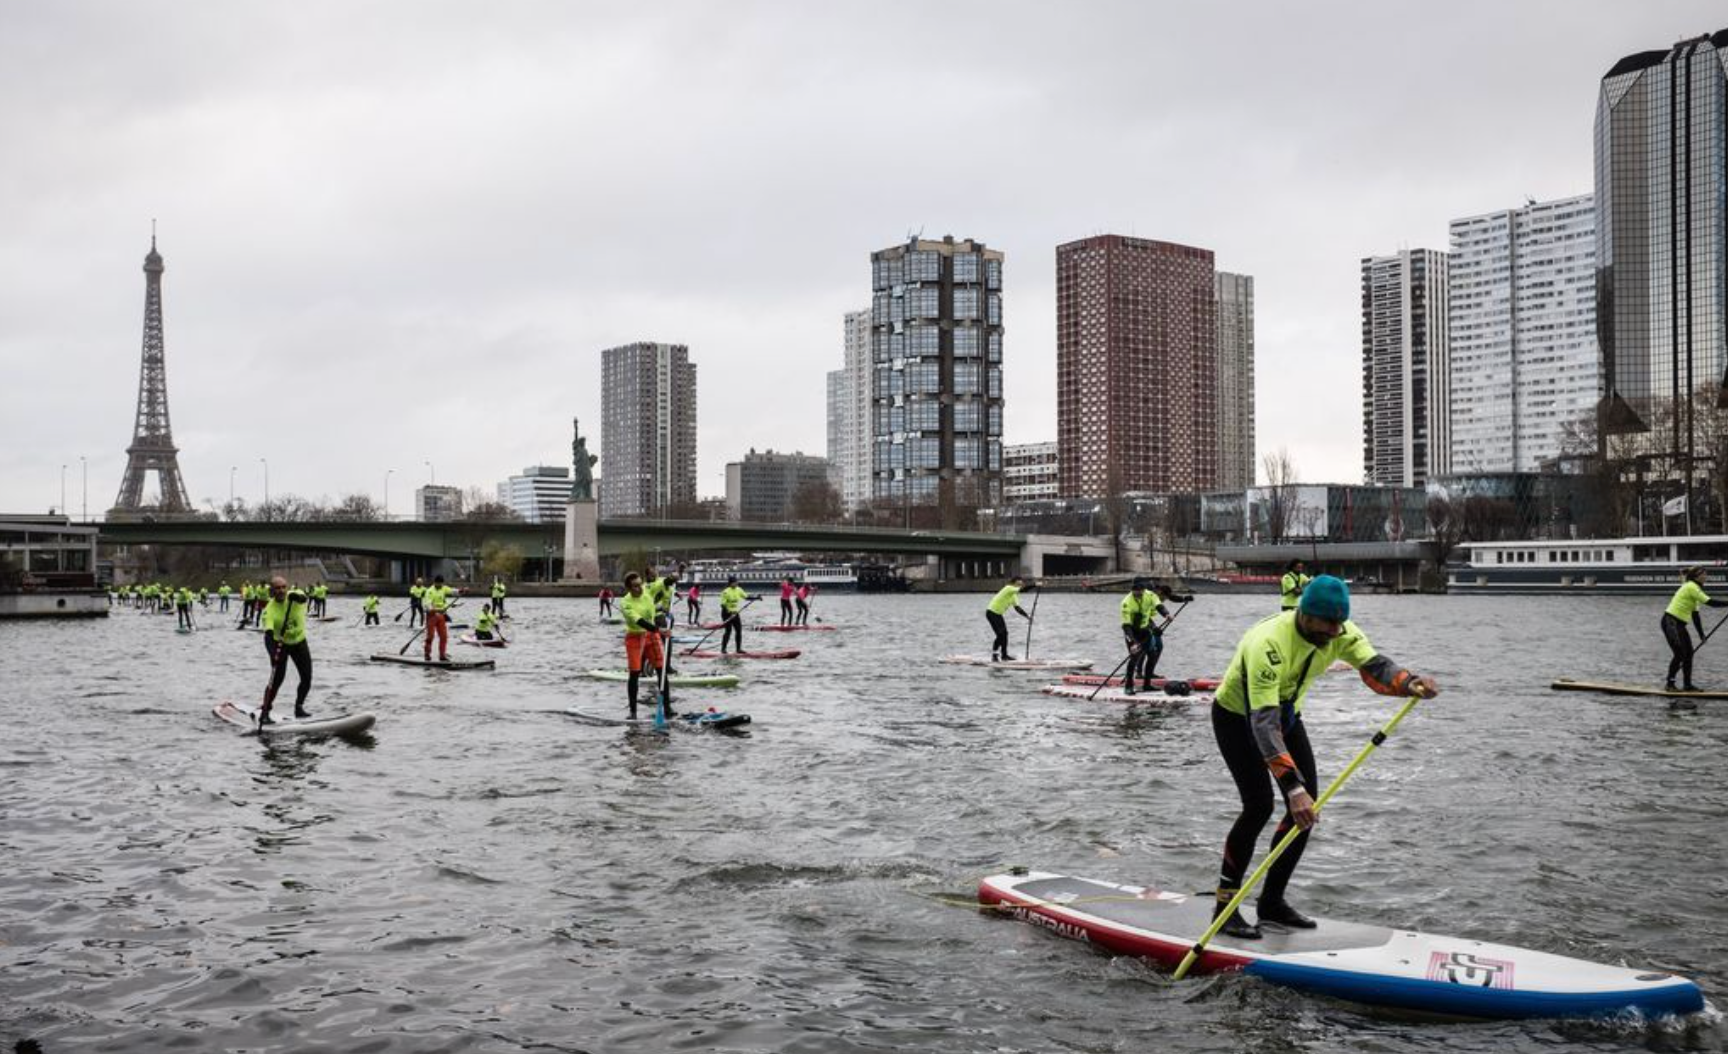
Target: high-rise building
{"points": [[436, 504], [647, 430], [1521, 333], [936, 396], [849, 441], [1235, 384], [539, 494], [1136, 367], [1662, 241], [1404, 368], [763, 487], [1030, 472]]}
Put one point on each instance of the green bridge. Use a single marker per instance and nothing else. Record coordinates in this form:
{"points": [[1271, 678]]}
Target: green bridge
{"points": [[460, 539]]}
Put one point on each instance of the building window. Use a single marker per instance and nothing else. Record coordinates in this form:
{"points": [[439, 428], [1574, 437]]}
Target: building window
{"points": [[965, 342], [965, 303], [994, 315], [923, 302], [968, 453], [924, 341], [965, 378], [993, 274], [995, 428], [995, 382], [995, 347], [926, 416], [966, 417], [965, 267], [923, 266]]}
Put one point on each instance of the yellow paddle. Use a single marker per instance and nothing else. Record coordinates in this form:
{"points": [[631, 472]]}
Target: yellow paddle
{"points": [[1289, 837]]}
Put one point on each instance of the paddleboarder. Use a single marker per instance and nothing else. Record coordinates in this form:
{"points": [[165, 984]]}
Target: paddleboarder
{"points": [[663, 590], [1141, 608], [787, 590], [1291, 585], [370, 607], [486, 623], [642, 621], [1257, 722], [732, 600], [1681, 610], [436, 599], [693, 604], [606, 595], [320, 599], [416, 602], [183, 607], [498, 592], [1006, 597], [802, 599], [284, 622]]}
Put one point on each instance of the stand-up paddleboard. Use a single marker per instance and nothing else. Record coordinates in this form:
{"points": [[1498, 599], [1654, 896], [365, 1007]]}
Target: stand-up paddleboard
{"points": [[1346, 960], [692, 721], [326, 618], [247, 717], [1566, 684], [775, 627], [679, 680], [1117, 695], [478, 643], [612, 620], [182, 629], [790, 653], [435, 664], [1092, 680], [1018, 664]]}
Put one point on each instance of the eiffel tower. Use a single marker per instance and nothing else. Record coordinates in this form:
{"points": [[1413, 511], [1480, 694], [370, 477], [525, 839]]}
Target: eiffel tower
{"points": [[152, 448]]}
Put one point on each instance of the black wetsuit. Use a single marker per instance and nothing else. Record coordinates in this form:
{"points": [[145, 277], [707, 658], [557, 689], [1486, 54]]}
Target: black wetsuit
{"points": [[998, 626], [1243, 754], [301, 654]]}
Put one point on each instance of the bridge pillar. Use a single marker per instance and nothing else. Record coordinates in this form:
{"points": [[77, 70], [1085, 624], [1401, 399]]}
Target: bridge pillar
{"points": [[581, 541]]}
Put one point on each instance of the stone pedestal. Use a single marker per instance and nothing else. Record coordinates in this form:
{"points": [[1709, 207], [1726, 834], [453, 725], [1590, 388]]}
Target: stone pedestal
{"points": [[581, 541]]}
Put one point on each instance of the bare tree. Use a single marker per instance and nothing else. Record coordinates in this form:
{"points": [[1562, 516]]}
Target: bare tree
{"points": [[816, 501], [1280, 470], [1446, 527]]}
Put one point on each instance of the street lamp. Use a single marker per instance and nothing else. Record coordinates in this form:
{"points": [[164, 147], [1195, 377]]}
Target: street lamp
{"points": [[63, 490], [266, 463], [433, 480], [231, 470], [84, 473], [387, 493]]}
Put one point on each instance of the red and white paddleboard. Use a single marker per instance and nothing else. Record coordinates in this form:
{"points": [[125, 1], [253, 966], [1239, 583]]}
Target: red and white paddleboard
{"points": [[774, 627], [791, 653], [478, 643], [1018, 664], [1118, 695]]}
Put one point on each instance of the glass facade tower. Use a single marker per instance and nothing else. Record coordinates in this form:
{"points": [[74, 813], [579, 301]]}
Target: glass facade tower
{"points": [[936, 390], [1662, 243]]}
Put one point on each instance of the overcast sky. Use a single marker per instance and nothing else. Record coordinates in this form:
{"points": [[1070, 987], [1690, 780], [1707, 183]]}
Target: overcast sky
{"points": [[400, 233]]}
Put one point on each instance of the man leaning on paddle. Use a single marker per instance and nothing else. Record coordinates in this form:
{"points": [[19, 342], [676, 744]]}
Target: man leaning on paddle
{"points": [[1257, 721]]}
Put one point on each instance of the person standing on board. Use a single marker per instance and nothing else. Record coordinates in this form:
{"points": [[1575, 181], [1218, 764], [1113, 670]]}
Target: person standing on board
{"points": [[787, 589], [606, 601], [1006, 597], [1257, 721], [802, 598], [183, 607], [641, 638], [436, 598], [693, 604], [416, 602], [732, 613], [1140, 611], [284, 622], [663, 590], [1681, 610], [222, 592], [498, 591], [370, 606], [1291, 585]]}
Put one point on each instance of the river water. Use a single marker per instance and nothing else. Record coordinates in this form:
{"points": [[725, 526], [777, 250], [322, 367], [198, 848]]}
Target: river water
{"points": [[482, 873]]}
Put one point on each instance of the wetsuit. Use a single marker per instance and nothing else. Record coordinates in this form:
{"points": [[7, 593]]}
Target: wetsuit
{"points": [[483, 624], [731, 614], [1006, 597], [605, 603], [1682, 609], [285, 639], [1257, 722]]}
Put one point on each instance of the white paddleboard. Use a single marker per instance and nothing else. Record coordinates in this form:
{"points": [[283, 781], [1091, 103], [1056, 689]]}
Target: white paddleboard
{"points": [[247, 717], [1117, 695], [1018, 664], [689, 721], [1421, 972]]}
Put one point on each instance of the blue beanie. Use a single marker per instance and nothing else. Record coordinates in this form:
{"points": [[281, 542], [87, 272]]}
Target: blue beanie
{"points": [[1326, 597]]}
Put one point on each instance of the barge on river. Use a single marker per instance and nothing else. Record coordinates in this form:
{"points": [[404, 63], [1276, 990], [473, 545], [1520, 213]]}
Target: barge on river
{"points": [[1648, 566], [48, 569]]}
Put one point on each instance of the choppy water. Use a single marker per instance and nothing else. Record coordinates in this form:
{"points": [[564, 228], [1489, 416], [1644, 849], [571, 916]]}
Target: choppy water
{"points": [[482, 873]]}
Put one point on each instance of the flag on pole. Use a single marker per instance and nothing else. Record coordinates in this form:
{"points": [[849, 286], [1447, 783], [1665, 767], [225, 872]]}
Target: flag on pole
{"points": [[1675, 506]]}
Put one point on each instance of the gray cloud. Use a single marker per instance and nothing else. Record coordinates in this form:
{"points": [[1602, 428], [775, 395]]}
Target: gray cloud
{"points": [[402, 232]]}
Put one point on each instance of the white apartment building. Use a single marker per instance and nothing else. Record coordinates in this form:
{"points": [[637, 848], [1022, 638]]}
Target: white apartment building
{"points": [[1029, 472], [1522, 332], [849, 441], [1405, 378], [538, 495]]}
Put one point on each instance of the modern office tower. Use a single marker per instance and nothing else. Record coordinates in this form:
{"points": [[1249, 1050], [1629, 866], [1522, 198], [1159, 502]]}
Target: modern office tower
{"points": [[647, 430], [1030, 472], [1662, 242], [936, 393], [1404, 368], [763, 487], [435, 504], [1235, 384], [849, 440], [1521, 333], [1136, 367], [539, 494]]}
